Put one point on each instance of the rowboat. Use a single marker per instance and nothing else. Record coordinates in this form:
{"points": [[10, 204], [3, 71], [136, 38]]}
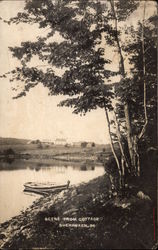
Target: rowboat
{"points": [[44, 188]]}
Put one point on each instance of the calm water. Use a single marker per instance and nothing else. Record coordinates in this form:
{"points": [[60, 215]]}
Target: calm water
{"points": [[13, 176]]}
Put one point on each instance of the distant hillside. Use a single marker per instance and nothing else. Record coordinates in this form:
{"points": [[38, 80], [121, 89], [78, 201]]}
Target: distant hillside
{"points": [[12, 141]]}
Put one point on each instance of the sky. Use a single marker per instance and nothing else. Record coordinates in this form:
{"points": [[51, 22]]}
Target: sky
{"points": [[37, 116]]}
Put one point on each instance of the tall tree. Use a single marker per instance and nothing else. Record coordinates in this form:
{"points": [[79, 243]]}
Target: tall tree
{"points": [[129, 92], [141, 90]]}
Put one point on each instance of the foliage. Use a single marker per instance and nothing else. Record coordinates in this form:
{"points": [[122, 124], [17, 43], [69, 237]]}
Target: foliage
{"points": [[85, 77], [84, 144], [9, 151], [132, 89]]}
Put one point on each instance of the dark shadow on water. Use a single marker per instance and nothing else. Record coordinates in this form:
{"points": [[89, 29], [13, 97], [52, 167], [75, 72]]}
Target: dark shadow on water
{"points": [[87, 168], [11, 164], [8, 160]]}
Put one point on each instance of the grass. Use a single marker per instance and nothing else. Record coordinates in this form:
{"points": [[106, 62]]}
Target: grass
{"points": [[55, 150], [54, 155]]}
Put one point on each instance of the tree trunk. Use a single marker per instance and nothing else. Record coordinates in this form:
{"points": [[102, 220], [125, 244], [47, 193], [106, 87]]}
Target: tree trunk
{"points": [[123, 172], [129, 137], [136, 159], [124, 161], [126, 106], [144, 74], [112, 149]]}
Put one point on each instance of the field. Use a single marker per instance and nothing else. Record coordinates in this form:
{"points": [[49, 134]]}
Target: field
{"points": [[58, 152], [11, 141]]}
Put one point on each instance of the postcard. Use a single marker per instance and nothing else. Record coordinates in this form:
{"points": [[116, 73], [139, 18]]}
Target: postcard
{"points": [[78, 124]]}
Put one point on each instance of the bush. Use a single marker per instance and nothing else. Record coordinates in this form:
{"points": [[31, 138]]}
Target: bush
{"points": [[104, 150], [9, 151], [39, 146], [84, 144]]}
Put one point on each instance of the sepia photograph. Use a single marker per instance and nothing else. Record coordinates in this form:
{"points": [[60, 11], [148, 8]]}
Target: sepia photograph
{"points": [[78, 124]]}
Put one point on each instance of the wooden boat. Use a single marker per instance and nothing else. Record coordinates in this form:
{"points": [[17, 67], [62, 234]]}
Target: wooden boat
{"points": [[44, 187]]}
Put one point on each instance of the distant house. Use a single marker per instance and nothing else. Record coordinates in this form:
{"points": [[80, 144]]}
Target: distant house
{"points": [[29, 142], [60, 142], [34, 142], [90, 144], [47, 141]]}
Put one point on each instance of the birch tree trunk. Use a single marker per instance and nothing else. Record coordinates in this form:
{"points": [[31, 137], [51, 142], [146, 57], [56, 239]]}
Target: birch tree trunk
{"points": [[126, 106], [125, 163], [113, 150], [145, 97], [144, 74]]}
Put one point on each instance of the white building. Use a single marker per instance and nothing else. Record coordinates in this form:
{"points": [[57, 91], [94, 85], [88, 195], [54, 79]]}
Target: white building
{"points": [[60, 142], [47, 141]]}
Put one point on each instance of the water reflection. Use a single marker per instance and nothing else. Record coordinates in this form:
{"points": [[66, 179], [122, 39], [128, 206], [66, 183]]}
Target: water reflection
{"points": [[85, 168], [13, 176], [7, 160]]}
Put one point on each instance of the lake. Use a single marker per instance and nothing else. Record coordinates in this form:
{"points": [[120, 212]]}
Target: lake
{"points": [[13, 176]]}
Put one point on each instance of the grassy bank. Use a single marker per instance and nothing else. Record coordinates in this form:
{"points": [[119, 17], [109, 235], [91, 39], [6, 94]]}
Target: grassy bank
{"points": [[23, 146], [118, 222], [53, 154]]}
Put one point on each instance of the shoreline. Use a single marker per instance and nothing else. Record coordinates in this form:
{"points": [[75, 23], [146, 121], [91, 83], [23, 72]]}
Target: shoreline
{"points": [[34, 227], [62, 153]]}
